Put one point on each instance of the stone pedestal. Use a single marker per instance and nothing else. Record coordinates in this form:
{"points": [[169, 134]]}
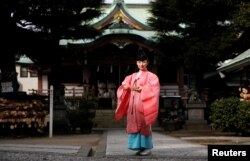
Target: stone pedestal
{"points": [[195, 114], [196, 111]]}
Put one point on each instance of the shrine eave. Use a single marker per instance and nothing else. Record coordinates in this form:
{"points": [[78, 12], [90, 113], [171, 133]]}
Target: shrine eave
{"points": [[148, 35], [239, 61], [114, 39], [119, 10]]}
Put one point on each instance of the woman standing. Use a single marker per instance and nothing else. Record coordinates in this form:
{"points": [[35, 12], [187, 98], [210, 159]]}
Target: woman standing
{"points": [[138, 99]]}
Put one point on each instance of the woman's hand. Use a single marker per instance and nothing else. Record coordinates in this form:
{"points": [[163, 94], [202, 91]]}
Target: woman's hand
{"points": [[136, 88]]}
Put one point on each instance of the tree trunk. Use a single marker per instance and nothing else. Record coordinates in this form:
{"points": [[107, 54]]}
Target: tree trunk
{"points": [[8, 77]]}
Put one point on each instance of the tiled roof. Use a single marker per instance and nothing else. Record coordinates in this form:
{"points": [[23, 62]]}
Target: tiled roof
{"points": [[119, 11], [24, 60], [239, 61]]}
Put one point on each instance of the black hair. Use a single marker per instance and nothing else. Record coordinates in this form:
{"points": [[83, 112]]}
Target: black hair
{"points": [[141, 55]]}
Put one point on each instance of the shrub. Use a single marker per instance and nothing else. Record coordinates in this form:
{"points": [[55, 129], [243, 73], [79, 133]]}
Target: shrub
{"points": [[230, 114]]}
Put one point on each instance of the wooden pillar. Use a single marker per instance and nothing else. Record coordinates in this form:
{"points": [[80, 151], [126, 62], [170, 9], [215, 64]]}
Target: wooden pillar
{"points": [[40, 81], [85, 71], [181, 81]]}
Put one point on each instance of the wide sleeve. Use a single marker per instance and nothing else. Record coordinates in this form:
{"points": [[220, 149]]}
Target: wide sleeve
{"points": [[123, 97], [150, 99]]}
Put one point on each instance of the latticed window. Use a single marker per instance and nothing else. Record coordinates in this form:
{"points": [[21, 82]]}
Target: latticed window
{"points": [[23, 72]]}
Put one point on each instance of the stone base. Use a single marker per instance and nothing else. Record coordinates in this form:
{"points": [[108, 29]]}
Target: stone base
{"points": [[196, 111], [197, 125]]}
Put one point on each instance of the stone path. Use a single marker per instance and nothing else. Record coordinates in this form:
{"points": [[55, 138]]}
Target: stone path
{"points": [[164, 146]]}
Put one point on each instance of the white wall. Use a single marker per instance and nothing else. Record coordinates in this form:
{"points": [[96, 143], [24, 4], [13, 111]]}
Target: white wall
{"points": [[26, 83]]}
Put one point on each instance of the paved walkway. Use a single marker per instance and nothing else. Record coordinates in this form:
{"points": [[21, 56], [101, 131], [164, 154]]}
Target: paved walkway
{"points": [[40, 148], [165, 146], [113, 146]]}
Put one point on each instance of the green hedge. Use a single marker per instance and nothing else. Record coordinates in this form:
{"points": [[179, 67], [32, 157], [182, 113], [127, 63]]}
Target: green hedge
{"points": [[230, 114]]}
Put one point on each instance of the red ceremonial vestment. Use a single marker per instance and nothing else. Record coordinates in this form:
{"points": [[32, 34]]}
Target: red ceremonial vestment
{"points": [[141, 108]]}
